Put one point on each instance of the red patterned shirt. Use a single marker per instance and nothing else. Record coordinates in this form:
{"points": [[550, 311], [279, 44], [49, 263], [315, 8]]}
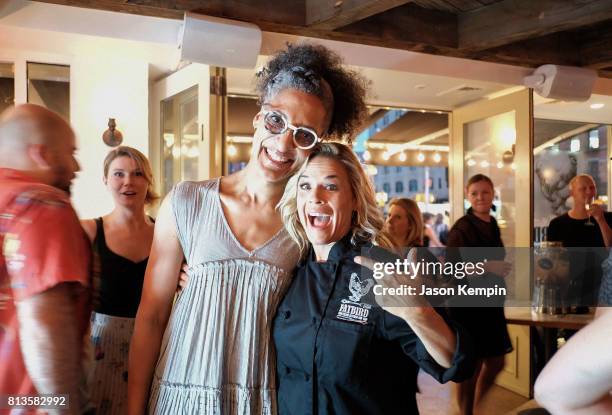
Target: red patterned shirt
{"points": [[42, 245]]}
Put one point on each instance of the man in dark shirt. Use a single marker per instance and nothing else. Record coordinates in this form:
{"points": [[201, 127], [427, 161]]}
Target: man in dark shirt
{"points": [[584, 228]]}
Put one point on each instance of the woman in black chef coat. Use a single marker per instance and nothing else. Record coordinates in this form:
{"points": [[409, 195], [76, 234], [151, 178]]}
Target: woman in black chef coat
{"points": [[337, 351]]}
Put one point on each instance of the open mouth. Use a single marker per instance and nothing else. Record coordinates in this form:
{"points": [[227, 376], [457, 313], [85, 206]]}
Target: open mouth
{"points": [[130, 193], [318, 220]]}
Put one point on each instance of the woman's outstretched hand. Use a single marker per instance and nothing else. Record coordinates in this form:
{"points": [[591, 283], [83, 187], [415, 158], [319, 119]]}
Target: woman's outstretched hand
{"points": [[396, 290]]}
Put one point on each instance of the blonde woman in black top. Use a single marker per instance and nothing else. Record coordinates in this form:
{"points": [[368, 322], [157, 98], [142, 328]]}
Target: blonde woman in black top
{"points": [[121, 241]]}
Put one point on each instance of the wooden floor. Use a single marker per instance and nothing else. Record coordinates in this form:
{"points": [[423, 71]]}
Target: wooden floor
{"points": [[434, 399]]}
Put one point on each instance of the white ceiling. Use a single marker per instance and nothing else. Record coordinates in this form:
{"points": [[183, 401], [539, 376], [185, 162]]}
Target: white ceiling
{"points": [[399, 78]]}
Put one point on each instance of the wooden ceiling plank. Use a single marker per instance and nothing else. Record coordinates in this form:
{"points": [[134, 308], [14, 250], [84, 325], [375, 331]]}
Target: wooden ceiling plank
{"points": [[332, 14], [441, 5], [120, 7], [595, 49], [509, 21], [465, 5], [289, 13], [560, 48], [409, 23]]}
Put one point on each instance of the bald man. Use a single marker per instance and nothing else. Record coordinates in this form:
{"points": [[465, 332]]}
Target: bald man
{"points": [[45, 259], [588, 231]]}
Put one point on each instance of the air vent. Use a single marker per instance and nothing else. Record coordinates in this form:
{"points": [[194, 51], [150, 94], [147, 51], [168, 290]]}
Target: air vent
{"points": [[460, 89]]}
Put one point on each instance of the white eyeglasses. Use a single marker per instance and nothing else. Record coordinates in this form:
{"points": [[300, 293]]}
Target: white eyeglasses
{"points": [[276, 123]]}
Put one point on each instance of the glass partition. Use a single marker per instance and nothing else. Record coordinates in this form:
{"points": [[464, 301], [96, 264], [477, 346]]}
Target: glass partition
{"points": [[7, 85], [180, 155], [563, 149], [489, 146], [49, 86]]}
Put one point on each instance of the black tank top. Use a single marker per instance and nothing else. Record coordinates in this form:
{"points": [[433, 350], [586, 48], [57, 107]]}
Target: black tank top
{"points": [[120, 280]]}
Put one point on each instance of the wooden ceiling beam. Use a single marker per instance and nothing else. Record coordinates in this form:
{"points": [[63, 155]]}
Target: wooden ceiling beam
{"points": [[332, 14], [271, 11], [409, 24], [510, 21], [561, 48], [121, 7], [595, 49]]}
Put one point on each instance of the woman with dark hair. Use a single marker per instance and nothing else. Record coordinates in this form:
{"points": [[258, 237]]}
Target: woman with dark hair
{"points": [[216, 355], [121, 242], [487, 327], [338, 352]]}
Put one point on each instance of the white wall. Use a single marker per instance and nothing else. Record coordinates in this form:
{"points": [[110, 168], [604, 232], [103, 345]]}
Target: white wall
{"points": [[101, 89], [101, 86]]}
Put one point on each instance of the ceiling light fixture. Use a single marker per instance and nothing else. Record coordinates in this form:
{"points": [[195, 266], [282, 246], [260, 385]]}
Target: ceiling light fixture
{"points": [[421, 157]]}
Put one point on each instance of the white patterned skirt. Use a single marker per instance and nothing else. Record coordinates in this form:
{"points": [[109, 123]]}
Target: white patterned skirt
{"points": [[108, 380]]}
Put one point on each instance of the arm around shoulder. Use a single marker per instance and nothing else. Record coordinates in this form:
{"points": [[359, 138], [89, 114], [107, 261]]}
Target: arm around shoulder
{"points": [[160, 283]]}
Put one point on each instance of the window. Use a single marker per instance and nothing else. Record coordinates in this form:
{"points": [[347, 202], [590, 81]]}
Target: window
{"points": [[439, 183], [386, 188], [399, 187], [7, 86], [386, 170], [49, 86], [582, 151], [413, 185], [180, 138], [398, 169], [594, 139]]}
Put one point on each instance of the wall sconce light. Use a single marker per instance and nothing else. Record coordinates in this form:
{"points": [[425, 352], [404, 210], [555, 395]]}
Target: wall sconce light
{"points": [[112, 137], [508, 156]]}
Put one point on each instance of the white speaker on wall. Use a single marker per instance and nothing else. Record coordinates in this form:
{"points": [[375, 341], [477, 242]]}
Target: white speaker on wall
{"points": [[219, 42], [566, 83]]}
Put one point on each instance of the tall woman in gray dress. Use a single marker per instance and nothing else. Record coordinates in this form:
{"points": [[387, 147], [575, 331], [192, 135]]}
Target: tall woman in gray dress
{"points": [[216, 354]]}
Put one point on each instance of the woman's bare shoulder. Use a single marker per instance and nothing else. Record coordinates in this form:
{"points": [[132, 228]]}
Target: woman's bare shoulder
{"points": [[89, 226]]}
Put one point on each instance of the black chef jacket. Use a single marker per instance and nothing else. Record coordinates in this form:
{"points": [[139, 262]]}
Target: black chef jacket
{"points": [[328, 364]]}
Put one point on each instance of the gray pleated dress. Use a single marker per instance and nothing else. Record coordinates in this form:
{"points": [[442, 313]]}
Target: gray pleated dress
{"points": [[217, 354]]}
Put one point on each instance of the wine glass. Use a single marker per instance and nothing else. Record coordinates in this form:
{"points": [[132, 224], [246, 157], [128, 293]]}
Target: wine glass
{"points": [[587, 206]]}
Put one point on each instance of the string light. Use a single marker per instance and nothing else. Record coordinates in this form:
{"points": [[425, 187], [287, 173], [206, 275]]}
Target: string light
{"points": [[231, 150]]}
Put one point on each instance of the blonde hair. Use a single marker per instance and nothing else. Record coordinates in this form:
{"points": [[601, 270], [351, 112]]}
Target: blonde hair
{"points": [[367, 223], [574, 179], [143, 165], [414, 237]]}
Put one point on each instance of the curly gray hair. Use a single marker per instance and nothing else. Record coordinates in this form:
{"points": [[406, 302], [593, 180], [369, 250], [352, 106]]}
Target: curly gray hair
{"points": [[316, 70]]}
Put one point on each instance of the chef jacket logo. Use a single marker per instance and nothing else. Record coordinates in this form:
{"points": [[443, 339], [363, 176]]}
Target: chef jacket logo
{"points": [[351, 309], [359, 288]]}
